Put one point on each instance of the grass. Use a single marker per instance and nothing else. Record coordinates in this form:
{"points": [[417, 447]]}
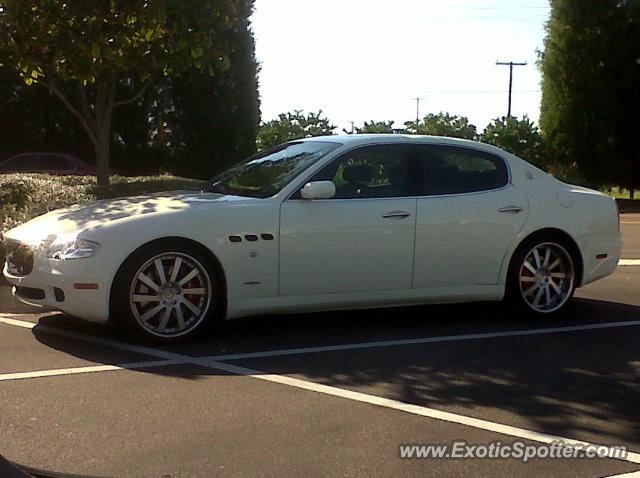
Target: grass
{"points": [[25, 196], [620, 193]]}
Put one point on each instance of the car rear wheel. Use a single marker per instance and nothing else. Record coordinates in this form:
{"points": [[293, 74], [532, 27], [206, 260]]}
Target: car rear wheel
{"points": [[542, 276], [165, 295]]}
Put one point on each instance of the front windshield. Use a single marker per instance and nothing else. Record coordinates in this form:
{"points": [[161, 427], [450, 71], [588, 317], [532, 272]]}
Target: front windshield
{"points": [[268, 172]]}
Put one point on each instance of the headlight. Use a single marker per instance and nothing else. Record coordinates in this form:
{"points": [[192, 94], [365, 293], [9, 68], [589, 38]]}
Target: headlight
{"points": [[67, 248]]}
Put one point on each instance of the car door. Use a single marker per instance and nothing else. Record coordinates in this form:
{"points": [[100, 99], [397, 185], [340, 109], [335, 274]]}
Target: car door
{"points": [[361, 239], [467, 218]]}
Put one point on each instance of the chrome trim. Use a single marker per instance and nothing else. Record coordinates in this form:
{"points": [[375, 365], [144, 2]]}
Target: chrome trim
{"points": [[511, 209], [339, 153], [396, 215]]}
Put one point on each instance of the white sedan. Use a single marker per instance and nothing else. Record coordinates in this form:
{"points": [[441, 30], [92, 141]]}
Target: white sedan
{"points": [[322, 224]]}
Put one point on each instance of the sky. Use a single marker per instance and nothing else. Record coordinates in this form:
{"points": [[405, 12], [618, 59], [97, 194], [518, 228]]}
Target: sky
{"points": [[363, 60]]}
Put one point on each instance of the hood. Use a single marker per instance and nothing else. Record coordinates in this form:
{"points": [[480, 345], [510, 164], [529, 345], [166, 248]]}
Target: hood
{"points": [[90, 215]]}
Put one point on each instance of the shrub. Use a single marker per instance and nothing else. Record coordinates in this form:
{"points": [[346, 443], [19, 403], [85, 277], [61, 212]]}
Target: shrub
{"points": [[25, 196]]}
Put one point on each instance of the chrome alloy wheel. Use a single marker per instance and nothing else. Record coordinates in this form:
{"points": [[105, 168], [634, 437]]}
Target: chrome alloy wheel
{"points": [[170, 294], [546, 277]]}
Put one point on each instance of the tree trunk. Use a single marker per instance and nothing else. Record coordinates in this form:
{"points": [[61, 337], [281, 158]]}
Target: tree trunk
{"points": [[632, 193], [102, 148], [47, 120], [96, 121]]}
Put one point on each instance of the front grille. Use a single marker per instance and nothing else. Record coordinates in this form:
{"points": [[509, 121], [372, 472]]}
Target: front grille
{"points": [[19, 258]]}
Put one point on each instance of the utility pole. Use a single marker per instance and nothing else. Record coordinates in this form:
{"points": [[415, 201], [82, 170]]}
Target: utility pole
{"points": [[353, 127], [511, 64], [417, 100]]}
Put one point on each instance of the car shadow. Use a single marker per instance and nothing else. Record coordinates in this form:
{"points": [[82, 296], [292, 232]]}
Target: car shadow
{"points": [[581, 384]]}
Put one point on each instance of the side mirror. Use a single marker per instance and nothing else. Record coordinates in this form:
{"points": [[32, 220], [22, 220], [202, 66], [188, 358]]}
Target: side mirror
{"points": [[318, 190]]}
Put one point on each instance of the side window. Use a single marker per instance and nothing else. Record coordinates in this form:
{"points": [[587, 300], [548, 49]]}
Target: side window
{"points": [[371, 172], [456, 170]]}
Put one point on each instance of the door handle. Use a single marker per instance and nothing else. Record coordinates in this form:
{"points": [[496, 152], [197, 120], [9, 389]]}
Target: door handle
{"points": [[510, 209], [396, 215]]}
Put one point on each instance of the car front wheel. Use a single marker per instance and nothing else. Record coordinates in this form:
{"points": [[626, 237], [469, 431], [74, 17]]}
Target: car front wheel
{"points": [[165, 294]]}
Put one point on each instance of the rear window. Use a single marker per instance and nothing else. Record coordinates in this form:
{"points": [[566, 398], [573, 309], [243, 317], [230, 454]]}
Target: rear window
{"points": [[456, 170]]}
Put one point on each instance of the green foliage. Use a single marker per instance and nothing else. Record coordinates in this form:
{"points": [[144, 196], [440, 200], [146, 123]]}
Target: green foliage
{"points": [[134, 186], [85, 41], [290, 126], [518, 136], [567, 172], [25, 196], [376, 127], [443, 124], [33, 119], [590, 95], [99, 49], [213, 120]]}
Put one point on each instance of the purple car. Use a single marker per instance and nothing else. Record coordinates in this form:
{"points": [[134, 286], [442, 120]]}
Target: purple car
{"points": [[50, 163]]}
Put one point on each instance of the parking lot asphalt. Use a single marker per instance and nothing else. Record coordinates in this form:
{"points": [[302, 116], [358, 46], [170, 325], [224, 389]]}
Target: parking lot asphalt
{"points": [[332, 393], [630, 227]]}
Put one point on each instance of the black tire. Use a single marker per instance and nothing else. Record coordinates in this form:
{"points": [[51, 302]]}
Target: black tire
{"points": [[553, 287], [132, 299]]}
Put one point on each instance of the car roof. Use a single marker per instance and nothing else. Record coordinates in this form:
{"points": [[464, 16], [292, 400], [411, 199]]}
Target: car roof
{"points": [[47, 153], [364, 139]]}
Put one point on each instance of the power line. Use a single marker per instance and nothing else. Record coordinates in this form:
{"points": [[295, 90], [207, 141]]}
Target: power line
{"points": [[511, 64], [417, 100], [517, 7], [476, 92], [478, 18]]}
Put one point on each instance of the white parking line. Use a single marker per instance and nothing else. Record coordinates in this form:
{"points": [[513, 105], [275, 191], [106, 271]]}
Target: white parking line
{"points": [[426, 340], [629, 262], [633, 474], [18, 323], [4, 319], [326, 348], [412, 409], [486, 425], [87, 369]]}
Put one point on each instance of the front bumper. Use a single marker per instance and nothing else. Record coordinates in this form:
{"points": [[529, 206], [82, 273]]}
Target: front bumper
{"points": [[48, 278]]}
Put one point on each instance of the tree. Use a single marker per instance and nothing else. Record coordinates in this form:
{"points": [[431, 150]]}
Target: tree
{"points": [[212, 121], [518, 136], [33, 119], [376, 127], [86, 53], [590, 96], [290, 126], [443, 124]]}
